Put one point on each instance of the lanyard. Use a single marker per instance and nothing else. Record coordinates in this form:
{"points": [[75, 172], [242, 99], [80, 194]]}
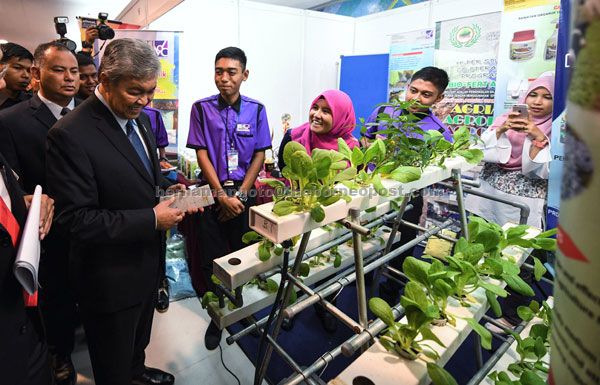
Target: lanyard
{"points": [[229, 137]]}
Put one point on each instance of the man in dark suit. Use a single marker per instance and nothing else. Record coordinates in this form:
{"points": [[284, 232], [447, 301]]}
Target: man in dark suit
{"points": [[23, 131], [104, 175], [23, 357]]}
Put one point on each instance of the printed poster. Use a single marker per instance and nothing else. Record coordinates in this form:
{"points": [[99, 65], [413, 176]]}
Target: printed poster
{"points": [[409, 52], [559, 117], [528, 47], [467, 48], [166, 96]]}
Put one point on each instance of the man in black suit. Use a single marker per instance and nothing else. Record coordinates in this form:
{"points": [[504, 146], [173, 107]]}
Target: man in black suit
{"points": [[23, 131], [104, 176], [18, 62], [23, 357]]}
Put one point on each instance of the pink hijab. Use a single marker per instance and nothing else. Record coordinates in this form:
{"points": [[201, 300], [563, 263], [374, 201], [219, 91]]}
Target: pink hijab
{"points": [[544, 123], [342, 112]]}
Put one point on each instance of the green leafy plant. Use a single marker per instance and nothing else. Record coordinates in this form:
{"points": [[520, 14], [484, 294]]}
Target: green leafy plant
{"points": [[312, 179], [266, 248], [410, 340], [408, 145], [531, 368]]}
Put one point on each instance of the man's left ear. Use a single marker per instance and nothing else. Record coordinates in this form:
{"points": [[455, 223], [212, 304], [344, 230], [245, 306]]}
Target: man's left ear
{"points": [[246, 73], [439, 98]]}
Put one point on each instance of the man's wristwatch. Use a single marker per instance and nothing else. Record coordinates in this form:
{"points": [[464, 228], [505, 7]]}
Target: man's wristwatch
{"points": [[242, 196]]}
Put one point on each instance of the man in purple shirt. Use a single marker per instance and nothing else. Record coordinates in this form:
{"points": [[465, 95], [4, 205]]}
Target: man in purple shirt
{"points": [[427, 86], [230, 134]]}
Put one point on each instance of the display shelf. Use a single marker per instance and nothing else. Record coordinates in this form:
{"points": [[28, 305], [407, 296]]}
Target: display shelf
{"points": [[239, 267], [511, 354], [256, 299], [279, 228], [392, 369]]}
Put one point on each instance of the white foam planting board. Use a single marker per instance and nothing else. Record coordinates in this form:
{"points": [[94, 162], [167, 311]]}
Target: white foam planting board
{"points": [[239, 267], [256, 299], [383, 367], [279, 228]]}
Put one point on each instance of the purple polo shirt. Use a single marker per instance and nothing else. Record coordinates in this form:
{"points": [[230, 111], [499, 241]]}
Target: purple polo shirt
{"points": [[217, 127], [158, 126], [429, 122]]}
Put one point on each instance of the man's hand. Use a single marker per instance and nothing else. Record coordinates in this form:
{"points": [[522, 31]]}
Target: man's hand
{"points": [[46, 213], [229, 208], [181, 187], [167, 217], [164, 165], [176, 187], [91, 34]]}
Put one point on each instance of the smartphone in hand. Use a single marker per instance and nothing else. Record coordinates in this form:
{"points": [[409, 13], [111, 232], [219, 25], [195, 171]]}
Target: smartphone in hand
{"points": [[522, 110]]}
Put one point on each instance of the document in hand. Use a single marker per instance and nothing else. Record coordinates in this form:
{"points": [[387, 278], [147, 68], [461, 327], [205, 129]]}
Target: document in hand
{"points": [[190, 199], [28, 254]]}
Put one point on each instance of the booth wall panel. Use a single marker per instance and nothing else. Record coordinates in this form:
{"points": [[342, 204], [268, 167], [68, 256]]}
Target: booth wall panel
{"points": [[202, 22]]}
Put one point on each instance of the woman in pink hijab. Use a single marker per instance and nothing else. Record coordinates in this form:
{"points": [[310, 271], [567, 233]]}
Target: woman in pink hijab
{"points": [[331, 116], [517, 155]]}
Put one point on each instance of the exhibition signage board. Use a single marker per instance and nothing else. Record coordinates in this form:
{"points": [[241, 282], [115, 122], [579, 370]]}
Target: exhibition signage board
{"points": [[166, 96], [409, 52], [559, 122], [576, 319], [467, 48], [527, 50]]}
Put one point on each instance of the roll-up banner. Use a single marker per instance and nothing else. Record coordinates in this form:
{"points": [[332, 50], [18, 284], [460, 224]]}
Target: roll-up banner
{"points": [[467, 48]]}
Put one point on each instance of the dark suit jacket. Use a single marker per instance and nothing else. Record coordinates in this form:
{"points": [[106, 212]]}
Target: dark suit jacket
{"points": [[23, 131], [104, 198], [19, 328]]}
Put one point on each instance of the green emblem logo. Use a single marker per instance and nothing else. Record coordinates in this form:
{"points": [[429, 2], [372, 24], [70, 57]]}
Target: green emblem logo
{"points": [[466, 36]]}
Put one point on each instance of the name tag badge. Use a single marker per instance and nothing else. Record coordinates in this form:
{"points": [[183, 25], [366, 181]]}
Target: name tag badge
{"points": [[243, 127], [232, 160]]}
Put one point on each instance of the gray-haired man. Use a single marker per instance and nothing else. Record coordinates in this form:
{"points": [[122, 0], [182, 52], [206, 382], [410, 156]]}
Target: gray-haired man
{"points": [[103, 173]]}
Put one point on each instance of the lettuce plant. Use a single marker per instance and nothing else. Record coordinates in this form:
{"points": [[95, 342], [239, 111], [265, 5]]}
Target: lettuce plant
{"points": [[530, 368], [265, 247], [311, 179], [410, 339]]}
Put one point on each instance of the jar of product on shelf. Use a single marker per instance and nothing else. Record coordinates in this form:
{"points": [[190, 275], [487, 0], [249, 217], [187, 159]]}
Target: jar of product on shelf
{"points": [[522, 46]]}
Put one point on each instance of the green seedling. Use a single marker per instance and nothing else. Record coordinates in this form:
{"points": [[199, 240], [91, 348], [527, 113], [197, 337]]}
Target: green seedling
{"points": [[410, 340], [266, 248]]}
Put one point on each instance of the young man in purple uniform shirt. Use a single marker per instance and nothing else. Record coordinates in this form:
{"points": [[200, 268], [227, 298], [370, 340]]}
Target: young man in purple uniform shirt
{"points": [[230, 134], [427, 86]]}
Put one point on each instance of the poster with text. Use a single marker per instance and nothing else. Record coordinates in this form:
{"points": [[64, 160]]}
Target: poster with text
{"points": [[467, 48], [409, 52], [528, 45], [166, 96]]}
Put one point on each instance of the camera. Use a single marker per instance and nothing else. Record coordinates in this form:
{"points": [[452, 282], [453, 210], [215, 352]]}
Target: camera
{"points": [[60, 24], [104, 31]]}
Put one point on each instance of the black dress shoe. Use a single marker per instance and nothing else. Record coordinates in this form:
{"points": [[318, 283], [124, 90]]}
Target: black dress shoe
{"points": [[162, 305], [64, 371], [212, 338], [153, 376]]}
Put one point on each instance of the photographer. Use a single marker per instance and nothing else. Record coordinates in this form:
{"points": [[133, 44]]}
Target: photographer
{"points": [[99, 31]]}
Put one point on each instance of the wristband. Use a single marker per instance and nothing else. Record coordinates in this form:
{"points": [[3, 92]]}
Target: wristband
{"points": [[541, 144]]}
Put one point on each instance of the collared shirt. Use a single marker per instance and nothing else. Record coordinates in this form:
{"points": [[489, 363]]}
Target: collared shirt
{"points": [[218, 128], [55, 108], [123, 122], [158, 126], [428, 122]]}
